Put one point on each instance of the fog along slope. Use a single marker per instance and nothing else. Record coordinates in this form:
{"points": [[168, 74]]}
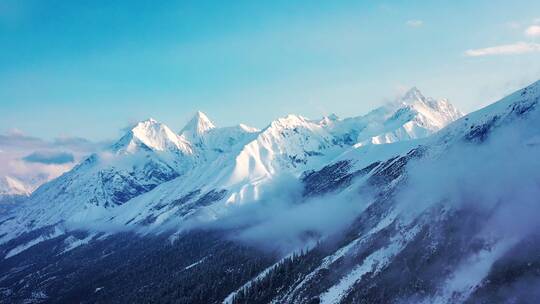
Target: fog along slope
{"points": [[372, 209]]}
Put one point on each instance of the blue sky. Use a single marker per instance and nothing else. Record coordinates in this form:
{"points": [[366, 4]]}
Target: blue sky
{"points": [[89, 68]]}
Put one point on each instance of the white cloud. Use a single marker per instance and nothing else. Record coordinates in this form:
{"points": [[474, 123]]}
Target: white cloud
{"points": [[533, 31], [415, 23], [506, 49]]}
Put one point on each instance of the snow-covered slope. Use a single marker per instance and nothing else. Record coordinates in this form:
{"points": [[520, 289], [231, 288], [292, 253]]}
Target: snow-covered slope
{"points": [[287, 143]]}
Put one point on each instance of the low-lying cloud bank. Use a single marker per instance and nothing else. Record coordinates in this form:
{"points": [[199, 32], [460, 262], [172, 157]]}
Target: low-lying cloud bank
{"points": [[34, 161], [499, 178], [283, 219]]}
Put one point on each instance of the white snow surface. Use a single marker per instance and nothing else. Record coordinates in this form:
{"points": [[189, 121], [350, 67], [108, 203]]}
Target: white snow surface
{"points": [[373, 263], [72, 242]]}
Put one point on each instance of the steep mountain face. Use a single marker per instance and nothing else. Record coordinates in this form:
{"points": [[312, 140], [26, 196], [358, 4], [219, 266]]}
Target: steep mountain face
{"points": [[371, 209]]}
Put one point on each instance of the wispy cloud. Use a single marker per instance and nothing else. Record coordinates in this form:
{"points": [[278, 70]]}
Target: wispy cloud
{"points": [[414, 23], [50, 157], [505, 49], [533, 31]]}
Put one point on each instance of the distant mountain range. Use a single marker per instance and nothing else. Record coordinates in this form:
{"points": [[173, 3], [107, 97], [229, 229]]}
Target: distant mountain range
{"points": [[411, 203]]}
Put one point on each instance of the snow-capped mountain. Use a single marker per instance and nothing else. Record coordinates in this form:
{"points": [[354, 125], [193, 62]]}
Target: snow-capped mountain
{"points": [[412, 116], [196, 128], [12, 186], [148, 155], [402, 205], [450, 206], [12, 193], [297, 142], [236, 160], [154, 136]]}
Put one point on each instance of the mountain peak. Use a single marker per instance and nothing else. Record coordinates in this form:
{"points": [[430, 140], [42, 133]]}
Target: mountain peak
{"points": [[289, 121], [412, 95], [292, 118], [197, 126], [145, 124], [430, 112], [151, 134]]}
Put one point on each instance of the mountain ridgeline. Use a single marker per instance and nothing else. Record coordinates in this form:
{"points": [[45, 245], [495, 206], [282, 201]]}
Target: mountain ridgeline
{"points": [[411, 203]]}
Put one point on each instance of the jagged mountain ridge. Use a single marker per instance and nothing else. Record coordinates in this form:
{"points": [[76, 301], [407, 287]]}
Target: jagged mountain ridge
{"points": [[202, 157]]}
